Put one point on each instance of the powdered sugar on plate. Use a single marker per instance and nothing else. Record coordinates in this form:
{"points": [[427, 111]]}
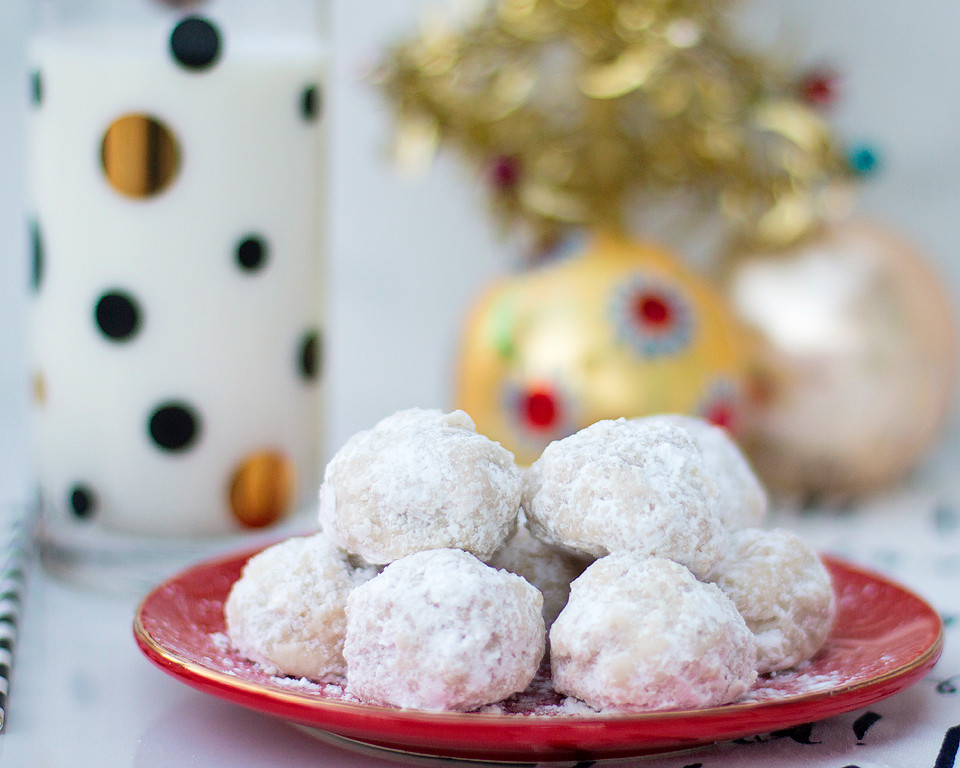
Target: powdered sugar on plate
{"points": [[793, 682], [540, 700], [882, 631]]}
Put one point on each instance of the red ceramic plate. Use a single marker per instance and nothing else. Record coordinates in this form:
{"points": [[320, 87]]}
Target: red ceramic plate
{"points": [[885, 639]]}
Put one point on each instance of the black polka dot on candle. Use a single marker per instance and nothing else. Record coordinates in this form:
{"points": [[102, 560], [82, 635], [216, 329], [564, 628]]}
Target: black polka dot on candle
{"points": [[174, 426], [310, 103], [311, 356], [118, 315], [252, 253], [36, 254], [36, 88], [195, 43], [83, 501]]}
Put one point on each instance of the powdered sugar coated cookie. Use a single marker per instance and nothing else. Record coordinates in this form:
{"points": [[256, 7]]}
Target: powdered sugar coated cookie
{"points": [[286, 611], [641, 633], [420, 479], [782, 590], [547, 568], [626, 485], [730, 479], [440, 630]]}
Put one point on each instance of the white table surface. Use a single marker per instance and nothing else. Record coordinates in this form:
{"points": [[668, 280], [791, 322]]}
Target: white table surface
{"points": [[83, 695], [405, 259]]}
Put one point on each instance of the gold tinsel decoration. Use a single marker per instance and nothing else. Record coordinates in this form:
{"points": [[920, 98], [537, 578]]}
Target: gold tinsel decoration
{"points": [[576, 107]]}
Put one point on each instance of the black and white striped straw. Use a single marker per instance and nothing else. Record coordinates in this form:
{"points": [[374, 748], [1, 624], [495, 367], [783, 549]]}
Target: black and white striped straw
{"points": [[15, 547]]}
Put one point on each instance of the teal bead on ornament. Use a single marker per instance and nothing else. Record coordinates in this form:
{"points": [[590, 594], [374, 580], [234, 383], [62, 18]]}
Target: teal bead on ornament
{"points": [[863, 160]]}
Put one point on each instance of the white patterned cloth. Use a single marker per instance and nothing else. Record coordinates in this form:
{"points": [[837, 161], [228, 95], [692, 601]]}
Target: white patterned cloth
{"points": [[14, 545]]}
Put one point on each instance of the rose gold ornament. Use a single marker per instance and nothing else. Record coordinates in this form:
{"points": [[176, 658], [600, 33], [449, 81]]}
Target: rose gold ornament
{"points": [[618, 329], [854, 362]]}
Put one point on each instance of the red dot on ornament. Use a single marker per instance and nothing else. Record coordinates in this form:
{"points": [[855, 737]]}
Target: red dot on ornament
{"points": [[652, 310], [540, 409], [819, 88], [505, 172], [720, 415]]}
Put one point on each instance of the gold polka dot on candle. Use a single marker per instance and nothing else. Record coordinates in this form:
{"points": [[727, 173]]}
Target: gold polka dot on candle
{"points": [[263, 489], [140, 156], [39, 389]]}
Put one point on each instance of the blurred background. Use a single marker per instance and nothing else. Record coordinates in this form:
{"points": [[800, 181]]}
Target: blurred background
{"points": [[406, 257]]}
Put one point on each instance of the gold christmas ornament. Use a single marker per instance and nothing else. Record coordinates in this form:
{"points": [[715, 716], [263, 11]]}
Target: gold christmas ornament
{"points": [[582, 114], [618, 328], [575, 108], [854, 359]]}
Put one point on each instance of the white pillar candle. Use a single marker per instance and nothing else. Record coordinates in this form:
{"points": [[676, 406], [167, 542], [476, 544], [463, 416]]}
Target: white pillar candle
{"points": [[177, 339]]}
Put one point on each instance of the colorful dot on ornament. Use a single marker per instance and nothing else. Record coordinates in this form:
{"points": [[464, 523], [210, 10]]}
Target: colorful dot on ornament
{"points": [[500, 329], [505, 173], [720, 414], [539, 412], [720, 407], [863, 160], [652, 310], [819, 88], [540, 409], [652, 316]]}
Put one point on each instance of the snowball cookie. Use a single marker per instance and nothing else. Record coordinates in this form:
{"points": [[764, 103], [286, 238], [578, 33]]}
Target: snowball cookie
{"points": [[439, 630], [420, 479], [641, 633], [782, 590], [287, 609], [741, 496], [547, 568], [623, 484]]}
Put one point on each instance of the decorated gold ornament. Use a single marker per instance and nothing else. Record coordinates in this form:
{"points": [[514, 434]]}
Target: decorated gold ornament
{"points": [[618, 328], [583, 114], [575, 108], [854, 359]]}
